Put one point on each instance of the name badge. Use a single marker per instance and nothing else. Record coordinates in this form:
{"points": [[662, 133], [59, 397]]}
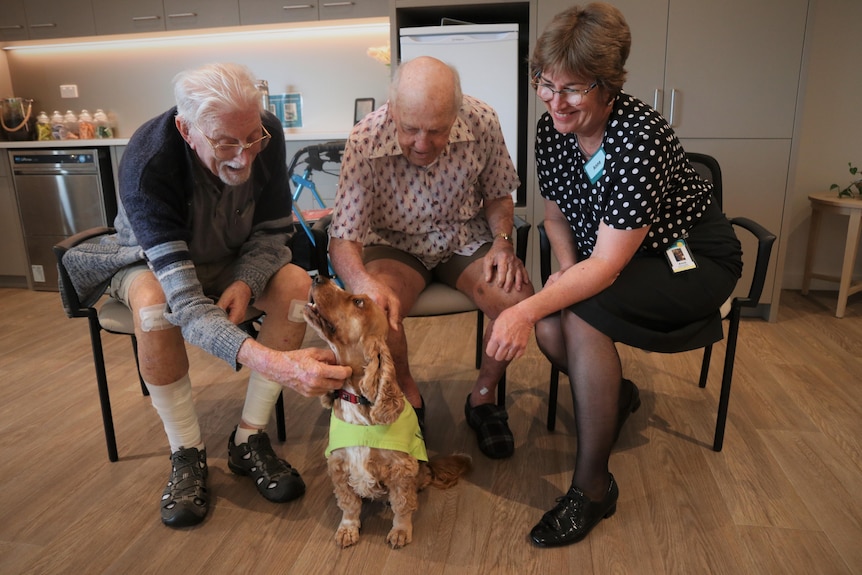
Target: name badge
{"points": [[595, 167], [680, 257]]}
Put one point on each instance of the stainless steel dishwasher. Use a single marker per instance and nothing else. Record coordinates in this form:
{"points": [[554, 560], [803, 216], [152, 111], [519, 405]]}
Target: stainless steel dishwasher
{"points": [[60, 193]]}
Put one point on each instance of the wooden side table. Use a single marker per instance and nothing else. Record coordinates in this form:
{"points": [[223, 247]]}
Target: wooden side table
{"points": [[832, 204]]}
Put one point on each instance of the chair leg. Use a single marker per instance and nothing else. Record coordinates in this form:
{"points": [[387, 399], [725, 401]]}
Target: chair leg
{"points": [[552, 398], [102, 384], [704, 366], [501, 391], [480, 336], [144, 389], [726, 380], [279, 418]]}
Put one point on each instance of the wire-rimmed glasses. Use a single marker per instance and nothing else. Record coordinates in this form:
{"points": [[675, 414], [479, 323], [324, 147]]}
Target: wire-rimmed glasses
{"points": [[230, 150], [572, 96]]}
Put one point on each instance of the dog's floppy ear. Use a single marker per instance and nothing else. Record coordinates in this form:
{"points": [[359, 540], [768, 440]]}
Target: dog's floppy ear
{"points": [[378, 382], [326, 401]]}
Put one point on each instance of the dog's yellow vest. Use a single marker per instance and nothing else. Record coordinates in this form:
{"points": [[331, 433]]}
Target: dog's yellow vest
{"points": [[403, 435]]}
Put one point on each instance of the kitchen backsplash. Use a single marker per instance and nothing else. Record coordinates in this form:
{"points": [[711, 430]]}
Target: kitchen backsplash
{"points": [[133, 80]]}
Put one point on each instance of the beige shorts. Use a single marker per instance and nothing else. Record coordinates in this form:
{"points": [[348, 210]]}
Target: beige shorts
{"points": [[446, 272], [214, 278]]}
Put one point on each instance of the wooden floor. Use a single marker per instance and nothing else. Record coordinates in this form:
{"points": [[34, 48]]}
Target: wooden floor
{"points": [[783, 497]]}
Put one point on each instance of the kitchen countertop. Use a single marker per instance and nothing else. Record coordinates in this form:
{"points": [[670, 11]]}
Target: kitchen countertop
{"points": [[29, 144], [290, 135]]}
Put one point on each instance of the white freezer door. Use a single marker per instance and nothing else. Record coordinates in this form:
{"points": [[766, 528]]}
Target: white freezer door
{"points": [[486, 57]]}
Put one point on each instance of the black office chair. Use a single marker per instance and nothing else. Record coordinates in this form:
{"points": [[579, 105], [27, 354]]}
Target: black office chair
{"points": [[440, 299], [114, 317], [700, 334]]}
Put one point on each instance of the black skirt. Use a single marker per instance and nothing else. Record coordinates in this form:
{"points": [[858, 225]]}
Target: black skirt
{"points": [[651, 307]]}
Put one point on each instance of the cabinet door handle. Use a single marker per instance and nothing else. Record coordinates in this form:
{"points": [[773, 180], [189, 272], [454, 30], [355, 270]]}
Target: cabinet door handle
{"points": [[336, 4], [12, 27], [183, 15], [656, 100], [144, 18], [45, 25], [297, 6], [672, 106]]}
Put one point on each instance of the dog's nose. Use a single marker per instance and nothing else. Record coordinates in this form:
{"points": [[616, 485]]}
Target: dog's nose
{"points": [[320, 279]]}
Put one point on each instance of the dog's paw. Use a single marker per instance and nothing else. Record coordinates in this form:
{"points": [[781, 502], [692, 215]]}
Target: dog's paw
{"points": [[398, 537], [347, 535]]}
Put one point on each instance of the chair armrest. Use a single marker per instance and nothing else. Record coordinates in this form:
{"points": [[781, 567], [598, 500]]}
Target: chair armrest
{"points": [[765, 240], [522, 237], [544, 253], [71, 303]]}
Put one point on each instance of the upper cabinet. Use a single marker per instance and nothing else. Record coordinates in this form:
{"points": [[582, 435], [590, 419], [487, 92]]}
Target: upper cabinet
{"points": [[189, 14], [128, 16], [714, 69], [339, 9], [13, 21], [44, 19], [269, 11], [53, 19]]}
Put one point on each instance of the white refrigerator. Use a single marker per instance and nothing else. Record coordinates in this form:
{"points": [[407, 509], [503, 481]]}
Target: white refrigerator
{"points": [[486, 57]]}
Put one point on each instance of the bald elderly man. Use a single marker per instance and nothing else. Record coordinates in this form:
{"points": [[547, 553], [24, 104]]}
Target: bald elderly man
{"points": [[425, 194]]}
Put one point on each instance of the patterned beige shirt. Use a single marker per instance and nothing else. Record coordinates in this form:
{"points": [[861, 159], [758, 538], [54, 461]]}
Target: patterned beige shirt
{"points": [[431, 212]]}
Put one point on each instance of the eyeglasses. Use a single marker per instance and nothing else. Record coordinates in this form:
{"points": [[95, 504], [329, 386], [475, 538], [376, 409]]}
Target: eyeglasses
{"points": [[230, 150], [572, 96]]}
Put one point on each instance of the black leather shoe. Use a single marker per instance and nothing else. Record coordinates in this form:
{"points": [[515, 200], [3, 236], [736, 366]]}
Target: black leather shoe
{"points": [[574, 517], [630, 401]]}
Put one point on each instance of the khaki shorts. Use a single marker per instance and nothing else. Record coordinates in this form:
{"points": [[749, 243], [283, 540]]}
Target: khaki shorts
{"points": [[446, 272], [214, 278]]}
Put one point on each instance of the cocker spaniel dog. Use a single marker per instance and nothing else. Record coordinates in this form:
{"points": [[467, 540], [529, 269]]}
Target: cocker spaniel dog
{"points": [[376, 449]]}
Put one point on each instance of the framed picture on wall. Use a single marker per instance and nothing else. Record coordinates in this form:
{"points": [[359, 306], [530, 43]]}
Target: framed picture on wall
{"points": [[362, 108]]}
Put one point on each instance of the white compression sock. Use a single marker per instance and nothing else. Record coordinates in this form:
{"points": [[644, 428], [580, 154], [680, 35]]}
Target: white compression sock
{"points": [[174, 404], [259, 401]]}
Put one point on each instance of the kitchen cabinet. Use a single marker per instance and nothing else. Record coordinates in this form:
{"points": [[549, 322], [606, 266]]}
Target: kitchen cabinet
{"points": [[340, 9], [726, 76], [128, 16], [274, 11], [13, 21], [13, 259], [59, 19], [189, 14]]}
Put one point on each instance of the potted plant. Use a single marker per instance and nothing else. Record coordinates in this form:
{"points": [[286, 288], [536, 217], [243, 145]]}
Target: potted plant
{"points": [[854, 190]]}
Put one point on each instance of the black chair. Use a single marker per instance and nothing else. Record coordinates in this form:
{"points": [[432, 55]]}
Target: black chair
{"points": [[440, 299], [701, 334], [114, 317]]}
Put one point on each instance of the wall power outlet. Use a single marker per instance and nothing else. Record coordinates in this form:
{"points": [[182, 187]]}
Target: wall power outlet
{"points": [[68, 90]]}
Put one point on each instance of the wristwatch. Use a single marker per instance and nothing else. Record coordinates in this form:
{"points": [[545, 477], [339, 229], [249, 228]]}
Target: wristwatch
{"points": [[505, 236]]}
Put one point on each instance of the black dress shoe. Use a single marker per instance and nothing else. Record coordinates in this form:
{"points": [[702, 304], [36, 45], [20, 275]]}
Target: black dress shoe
{"points": [[573, 517], [630, 401]]}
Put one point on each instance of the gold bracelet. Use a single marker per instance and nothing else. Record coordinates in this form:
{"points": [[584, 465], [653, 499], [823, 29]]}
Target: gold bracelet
{"points": [[505, 236]]}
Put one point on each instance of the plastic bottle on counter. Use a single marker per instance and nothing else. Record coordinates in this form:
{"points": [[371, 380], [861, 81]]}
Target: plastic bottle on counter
{"points": [[58, 126], [103, 125], [86, 126], [263, 87], [71, 121], [43, 127]]}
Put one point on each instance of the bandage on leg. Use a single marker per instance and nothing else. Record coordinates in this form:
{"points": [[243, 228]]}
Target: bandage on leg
{"points": [[153, 318], [260, 399], [295, 313], [174, 404]]}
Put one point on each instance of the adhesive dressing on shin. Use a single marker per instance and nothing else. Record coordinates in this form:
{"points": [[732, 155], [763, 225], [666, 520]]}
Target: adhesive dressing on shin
{"points": [[295, 313], [153, 318]]}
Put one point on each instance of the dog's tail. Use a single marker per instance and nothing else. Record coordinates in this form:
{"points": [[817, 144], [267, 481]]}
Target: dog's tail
{"points": [[443, 472]]}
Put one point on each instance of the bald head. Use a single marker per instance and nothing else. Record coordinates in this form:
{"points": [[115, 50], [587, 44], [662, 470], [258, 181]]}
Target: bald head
{"points": [[424, 99], [426, 83]]}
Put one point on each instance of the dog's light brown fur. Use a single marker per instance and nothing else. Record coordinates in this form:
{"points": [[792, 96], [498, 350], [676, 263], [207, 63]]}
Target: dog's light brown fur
{"points": [[356, 328]]}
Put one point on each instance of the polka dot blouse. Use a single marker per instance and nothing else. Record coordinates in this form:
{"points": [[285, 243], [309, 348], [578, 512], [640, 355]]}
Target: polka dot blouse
{"points": [[646, 180]]}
